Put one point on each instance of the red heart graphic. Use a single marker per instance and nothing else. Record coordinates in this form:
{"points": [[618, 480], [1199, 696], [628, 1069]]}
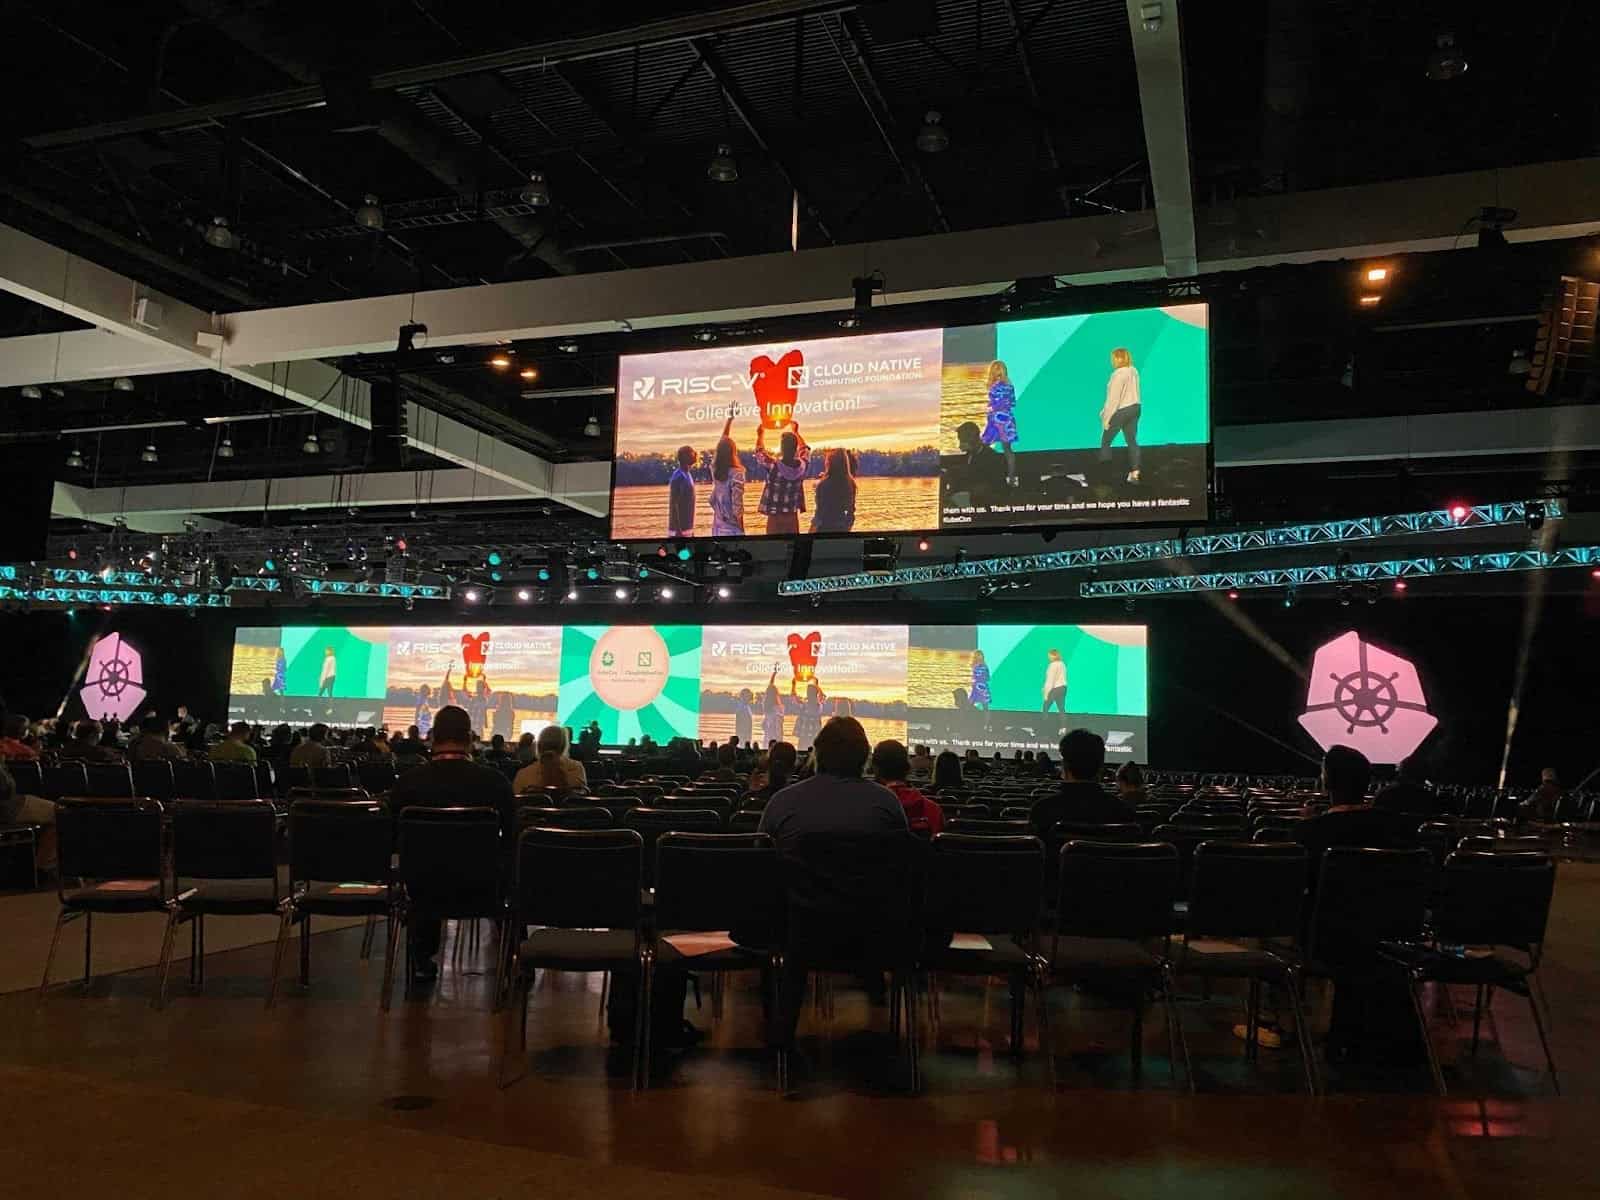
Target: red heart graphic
{"points": [[474, 653], [775, 394]]}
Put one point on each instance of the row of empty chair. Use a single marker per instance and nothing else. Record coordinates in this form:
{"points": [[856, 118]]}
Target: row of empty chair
{"points": [[199, 779]]}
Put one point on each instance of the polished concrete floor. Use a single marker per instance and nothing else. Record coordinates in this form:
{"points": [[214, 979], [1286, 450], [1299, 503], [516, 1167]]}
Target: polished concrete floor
{"points": [[324, 1095]]}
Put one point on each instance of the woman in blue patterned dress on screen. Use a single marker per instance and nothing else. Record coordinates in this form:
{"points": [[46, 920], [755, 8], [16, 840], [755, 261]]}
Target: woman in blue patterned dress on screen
{"points": [[978, 693], [1002, 425]]}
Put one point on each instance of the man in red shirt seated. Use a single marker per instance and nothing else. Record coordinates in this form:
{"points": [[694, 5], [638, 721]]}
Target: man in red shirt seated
{"points": [[891, 764]]}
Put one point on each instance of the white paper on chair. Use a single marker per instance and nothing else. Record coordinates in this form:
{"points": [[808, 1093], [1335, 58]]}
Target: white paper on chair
{"points": [[361, 889], [970, 941], [693, 945]]}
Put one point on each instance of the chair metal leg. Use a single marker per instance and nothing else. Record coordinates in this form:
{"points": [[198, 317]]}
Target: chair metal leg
{"points": [[277, 954], [1414, 986], [641, 1022], [62, 918], [1046, 1045], [1538, 1023], [305, 950], [389, 961], [1176, 1041], [200, 967], [605, 990], [1477, 1018], [647, 987], [88, 944], [1252, 1017], [1136, 1038], [194, 954], [501, 933], [367, 936], [1302, 1033], [516, 1016]]}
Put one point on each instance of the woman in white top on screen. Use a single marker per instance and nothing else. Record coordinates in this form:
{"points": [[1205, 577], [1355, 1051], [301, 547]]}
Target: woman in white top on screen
{"points": [[1121, 411], [1055, 683]]}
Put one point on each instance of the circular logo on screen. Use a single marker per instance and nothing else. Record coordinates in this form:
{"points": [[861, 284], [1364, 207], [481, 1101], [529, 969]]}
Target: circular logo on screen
{"points": [[628, 666]]}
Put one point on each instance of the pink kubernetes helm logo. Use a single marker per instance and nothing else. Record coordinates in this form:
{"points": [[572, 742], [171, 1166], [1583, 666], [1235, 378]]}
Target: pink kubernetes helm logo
{"points": [[1366, 698]]}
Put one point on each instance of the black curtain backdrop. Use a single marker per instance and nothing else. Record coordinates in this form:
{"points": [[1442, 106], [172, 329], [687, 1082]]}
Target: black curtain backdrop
{"points": [[1221, 697]]}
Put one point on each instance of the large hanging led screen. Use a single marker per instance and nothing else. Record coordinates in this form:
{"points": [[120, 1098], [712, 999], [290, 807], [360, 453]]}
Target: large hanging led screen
{"points": [[1093, 418], [985, 687]]}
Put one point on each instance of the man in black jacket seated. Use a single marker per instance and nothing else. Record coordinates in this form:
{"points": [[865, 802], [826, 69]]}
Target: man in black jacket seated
{"points": [[1409, 793], [1081, 799], [451, 779]]}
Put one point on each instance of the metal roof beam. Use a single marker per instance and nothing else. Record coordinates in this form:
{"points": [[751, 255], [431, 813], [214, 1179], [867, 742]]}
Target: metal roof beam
{"points": [[1158, 54]]}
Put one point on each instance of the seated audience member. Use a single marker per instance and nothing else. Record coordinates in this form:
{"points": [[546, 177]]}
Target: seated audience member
{"points": [[497, 752], [727, 758], [411, 745], [526, 751], [1351, 820], [451, 779], [1130, 785], [1080, 798], [1409, 793], [890, 766], [378, 743], [921, 761], [85, 745], [13, 739], [1541, 806], [836, 799], [313, 752], [973, 764], [553, 767], [19, 809], [947, 771], [236, 746], [779, 773], [152, 744], [1042, 763]]}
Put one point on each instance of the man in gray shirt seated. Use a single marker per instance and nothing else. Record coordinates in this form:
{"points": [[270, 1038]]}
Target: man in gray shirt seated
{"points": [[836, 799]]}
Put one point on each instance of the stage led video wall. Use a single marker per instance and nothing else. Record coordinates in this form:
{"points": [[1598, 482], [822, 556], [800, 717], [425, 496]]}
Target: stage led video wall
{"points": [[1092, 418], [987, 687]]}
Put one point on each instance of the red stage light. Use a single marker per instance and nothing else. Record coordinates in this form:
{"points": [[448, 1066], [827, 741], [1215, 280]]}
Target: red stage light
{"points": [[400, 544], [1233, 595], [924, 545], [1459, 511], [1399, 585], [1595, 574]]}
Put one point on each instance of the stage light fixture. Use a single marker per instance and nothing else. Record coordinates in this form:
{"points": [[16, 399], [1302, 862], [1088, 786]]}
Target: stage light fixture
{"points": [[311, 445], [1377, 274], [493, 559], [644, 572], [879, 554], [1233, 594], [1400, 585], [413, 336], [524, 595], [568, 347], [1446, 62], [536, 192], [1289, 598], [500, 362], [400, 543], [592, 574], [1533, 514], [664, 593], [723, 167], [621, 593], [72, 553], [591, 427], [408, 604], [724, 592], [1370, 301], [529, 374], [1519, 364], [122, 384], [933, 137], [1595, 574], [472, 595], [219, 236], [149, 454], [662, 551], [685, 553], [544, 574], [704, 334], [924, 545], [225, 446], [369, 214], [31, 392], [75, 459], [1459, 511], [572, 593]]}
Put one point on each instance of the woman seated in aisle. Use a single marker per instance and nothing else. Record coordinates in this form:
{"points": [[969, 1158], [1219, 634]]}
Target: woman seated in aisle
{"points": [[554, 767], [890, 766], [1130, 784], [947, 771]]}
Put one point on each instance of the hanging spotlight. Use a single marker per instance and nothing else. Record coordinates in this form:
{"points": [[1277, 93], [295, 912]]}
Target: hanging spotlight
{"points": [[724, 592], [529, 373], [933, 136], [704, 334], [664, 593], [414, 335], [149, 454], [219, 236], [621, 593], [567, 347], [472, 595], [370, 214], [1492, 221], [75, 459], [524, 595], [1459, 511], [536, 192], [1377, 274], [1519, 364], [225, 446], [1533, 514], [501, 362], [924, 545], [1233, 594], [572, 593], [1446, 62], [723, 168], [122, 384], [311, 445], [1347, 377], [591, 427], [31, 392], [1370, 300]]}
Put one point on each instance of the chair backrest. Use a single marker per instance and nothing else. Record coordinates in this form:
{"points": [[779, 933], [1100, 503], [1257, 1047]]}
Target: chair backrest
{"points": [[717, 881], [1366, 896], [1246, 889], [1185, 838], [1016, 813], [991, 827], [236, 781], [153, 777], [224, 839], [106, 838], [956, 811], [979, 884], [864, 889], [28, 775], [1495, 899], [108, 779], [745, 821], [579, 878], [1066, 831], [194, 780], [376, 775], [450, 859], [339, 841], [573, 816], [651, 823], [64, 779], [334, 775], [1116, 889], [1483, 843]]}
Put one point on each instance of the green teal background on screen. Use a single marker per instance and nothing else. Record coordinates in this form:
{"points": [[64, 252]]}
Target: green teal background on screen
{"points": [[674, 713], [1059, 367], [363, 666], [1101, 677]]}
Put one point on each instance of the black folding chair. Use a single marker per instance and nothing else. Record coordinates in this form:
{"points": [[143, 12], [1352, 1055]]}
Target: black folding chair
{"points": [[744, 821], [651, 823], [153, 778], [573, 817], [340, 855], [450, 869], [711, 883], [334, 775], [28, 776], [580, 891], [194, 780], [108, 780], [376, 775], [1115, 899], [991, 887], [224, 861], [1254, 892], [113, 849], [236, 781], [1500, 900], [993, 828], [63, 779]]}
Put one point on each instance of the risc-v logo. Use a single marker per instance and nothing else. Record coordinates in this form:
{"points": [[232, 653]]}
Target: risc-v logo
{"points": [[649, 387]]}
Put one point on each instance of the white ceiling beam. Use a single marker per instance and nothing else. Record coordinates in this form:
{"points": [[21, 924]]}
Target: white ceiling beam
{"points": [[80, 354], [100, 506], [1555, 200], [1164, 105]]}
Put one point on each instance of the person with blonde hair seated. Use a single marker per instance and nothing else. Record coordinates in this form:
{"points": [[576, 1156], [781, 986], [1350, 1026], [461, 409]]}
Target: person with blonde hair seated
{"points": [[553, 767]]}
